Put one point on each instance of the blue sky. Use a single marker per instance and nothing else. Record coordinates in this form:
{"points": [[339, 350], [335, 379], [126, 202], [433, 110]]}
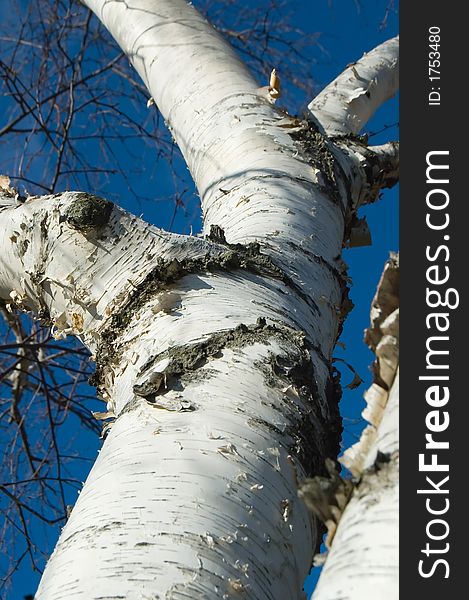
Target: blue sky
{"points": [[348, 28]]}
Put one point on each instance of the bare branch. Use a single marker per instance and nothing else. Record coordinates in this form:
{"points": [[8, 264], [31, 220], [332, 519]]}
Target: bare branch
{"points": [[346, 104]]}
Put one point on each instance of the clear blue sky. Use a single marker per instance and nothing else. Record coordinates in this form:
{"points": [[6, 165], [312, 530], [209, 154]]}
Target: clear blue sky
{"points": [[348, 28]]}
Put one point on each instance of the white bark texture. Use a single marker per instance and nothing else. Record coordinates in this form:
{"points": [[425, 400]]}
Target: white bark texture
{"points": [[363, 561], [213, 355]]}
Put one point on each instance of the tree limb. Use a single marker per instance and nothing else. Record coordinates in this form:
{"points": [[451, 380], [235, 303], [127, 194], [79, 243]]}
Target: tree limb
{"points": [[346, 104], [98, 245], [185, 64], [241, 150]]}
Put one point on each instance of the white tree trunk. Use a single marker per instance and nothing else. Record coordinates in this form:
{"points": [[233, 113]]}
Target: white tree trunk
{"points": [[213, 356]]}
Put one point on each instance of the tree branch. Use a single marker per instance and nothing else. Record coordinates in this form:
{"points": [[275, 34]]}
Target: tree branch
{"points": [[347, 104], [184, 62], [74, 258]]}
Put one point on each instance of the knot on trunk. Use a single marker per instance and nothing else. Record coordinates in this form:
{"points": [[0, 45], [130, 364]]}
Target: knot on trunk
{"points": [[88, 212]]}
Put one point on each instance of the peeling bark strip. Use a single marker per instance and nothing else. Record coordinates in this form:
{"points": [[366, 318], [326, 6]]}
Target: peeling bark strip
{"points": [[326, 498]]}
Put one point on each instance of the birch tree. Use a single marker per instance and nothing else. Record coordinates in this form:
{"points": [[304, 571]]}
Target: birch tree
{"points": [[213, 353]]}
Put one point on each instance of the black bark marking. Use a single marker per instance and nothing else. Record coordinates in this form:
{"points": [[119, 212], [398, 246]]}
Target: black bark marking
{"points": [[87, 212], [237, 256], [315, 427], [318, 151]]}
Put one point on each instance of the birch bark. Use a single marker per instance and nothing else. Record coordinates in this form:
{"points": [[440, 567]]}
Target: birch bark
{"points": [[213, 354]]}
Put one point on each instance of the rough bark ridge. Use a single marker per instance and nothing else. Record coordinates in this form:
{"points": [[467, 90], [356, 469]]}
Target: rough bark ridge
{"points": [[213, 355]]}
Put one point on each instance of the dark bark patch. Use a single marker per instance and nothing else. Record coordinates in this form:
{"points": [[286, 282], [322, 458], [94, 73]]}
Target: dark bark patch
{"points": [[250, 256], [87, 212], [186, 360], [237, 256], [317, 151], [314, 427]]}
